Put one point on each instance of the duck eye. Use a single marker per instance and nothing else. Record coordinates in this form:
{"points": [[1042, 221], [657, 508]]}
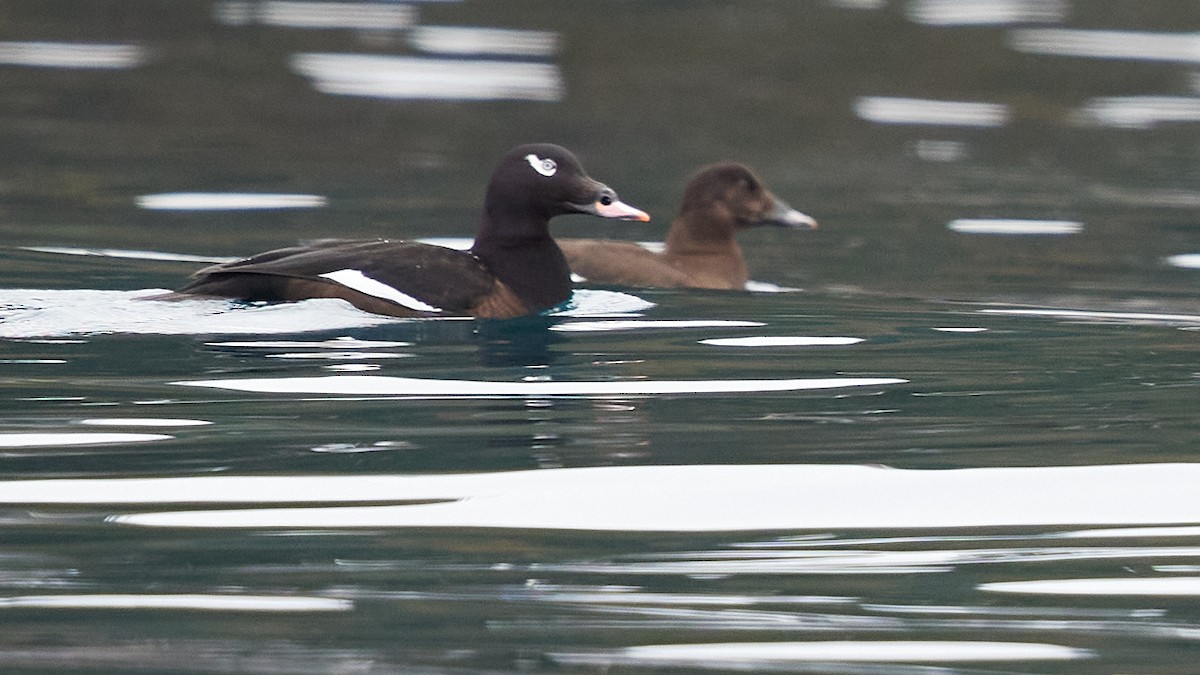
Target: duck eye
{"points": [[547, 167], [606, 200]]}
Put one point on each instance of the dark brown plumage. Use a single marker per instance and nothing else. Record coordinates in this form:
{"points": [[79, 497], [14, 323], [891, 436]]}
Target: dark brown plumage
{"points": [[701, 248], [513, 269]]}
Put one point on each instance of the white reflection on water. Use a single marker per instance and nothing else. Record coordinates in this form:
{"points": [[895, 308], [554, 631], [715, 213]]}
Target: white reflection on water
{"points": [[782, 341], [52, 439], [606, 595], [1138, 112], [228, 201], [1133, 318], [1160, 586], [339, 344], [142, 422], [32, 313], [694, 498], [891, 619], [468, 40], [649, 324], [1108, 44], [765, 286], [339, 356], [842, 560], [40, 312], [72, 55], [1189, 261], [932, 150], [744, 655], [864, 5], [368, 385], [597, 303], [312, 14], [887, 110], [1133, 532], [1011, 226], [125, 253], [984, 12], [405, 77], [221, 603]]}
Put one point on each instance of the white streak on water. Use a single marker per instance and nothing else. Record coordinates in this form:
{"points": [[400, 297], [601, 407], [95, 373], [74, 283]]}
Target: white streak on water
{"points": [[654, 324], [1153, 587], [768, 287], [468, 40], [984, 12], [1133, 532], [228, 201], [1009, 226], [694, 498], [367, 385], [51, 439], [311, 14], [1108, 44], [339, 356], [888, 110], [781, 341], [72, 55], [142, 422], [1138, 112], [1190, 261], [406, 77], [336, 344], [587, 302], [221, 603], [38, 313], [1092, 315], [742, 656], [124, 253], [855, 561]]}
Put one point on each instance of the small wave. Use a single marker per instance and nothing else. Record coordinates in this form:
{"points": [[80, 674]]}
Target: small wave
{"points": [[39, 313]]}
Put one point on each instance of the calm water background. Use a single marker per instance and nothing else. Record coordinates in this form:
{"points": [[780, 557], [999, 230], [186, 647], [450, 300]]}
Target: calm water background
{"points": [[1042, 370]]}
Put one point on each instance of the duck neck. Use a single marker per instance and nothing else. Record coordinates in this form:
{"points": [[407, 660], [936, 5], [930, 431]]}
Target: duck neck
{"points": [[704, 247], [526, 259], [698, 233]]}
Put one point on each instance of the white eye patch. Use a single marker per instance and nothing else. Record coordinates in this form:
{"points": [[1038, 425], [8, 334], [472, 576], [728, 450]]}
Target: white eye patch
{"points": [[546, 167]]}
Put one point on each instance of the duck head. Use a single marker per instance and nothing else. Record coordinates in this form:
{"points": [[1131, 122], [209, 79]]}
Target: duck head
{"points": [[733, 194]]}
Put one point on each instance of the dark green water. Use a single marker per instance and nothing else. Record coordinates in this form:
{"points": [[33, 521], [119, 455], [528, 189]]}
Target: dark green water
{"points": [[993, 472]]}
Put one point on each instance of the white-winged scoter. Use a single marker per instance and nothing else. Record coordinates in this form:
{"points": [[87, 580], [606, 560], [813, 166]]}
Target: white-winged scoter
{"points": [[513, 269]]}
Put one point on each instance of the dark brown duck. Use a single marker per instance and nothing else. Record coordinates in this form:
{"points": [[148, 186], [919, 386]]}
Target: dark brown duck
{"points": [[702, 251], [514, 267]]}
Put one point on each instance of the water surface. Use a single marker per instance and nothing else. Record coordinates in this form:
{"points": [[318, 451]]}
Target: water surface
{"points": [[953, 430]]}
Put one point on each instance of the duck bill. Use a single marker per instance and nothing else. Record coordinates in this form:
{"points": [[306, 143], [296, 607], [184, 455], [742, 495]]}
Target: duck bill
{"points": [[603, 202], [619, 210], [785, 216]]}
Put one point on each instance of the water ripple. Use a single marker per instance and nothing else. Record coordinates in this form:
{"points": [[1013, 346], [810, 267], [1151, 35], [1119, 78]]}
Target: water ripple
{"points": [[694, 498]]}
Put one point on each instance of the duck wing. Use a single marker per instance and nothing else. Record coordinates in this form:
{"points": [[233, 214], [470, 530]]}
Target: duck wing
{"points": [[398, 278]]}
